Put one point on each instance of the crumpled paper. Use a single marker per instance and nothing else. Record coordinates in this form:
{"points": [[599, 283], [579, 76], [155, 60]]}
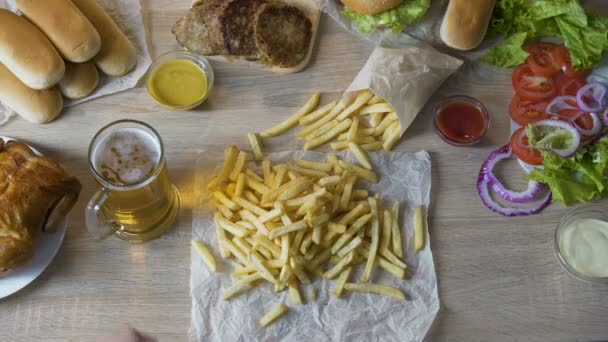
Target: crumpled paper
{"points": [[426, 29], [127, 15], [405, 77], [354, 317]]}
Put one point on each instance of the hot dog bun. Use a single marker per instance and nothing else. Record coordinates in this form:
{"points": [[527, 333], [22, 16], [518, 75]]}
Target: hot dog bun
{"points": [[465, 23], [371, 6], [117, 56], [28, 53], [63, 23], [79, 81], [38, 106]]}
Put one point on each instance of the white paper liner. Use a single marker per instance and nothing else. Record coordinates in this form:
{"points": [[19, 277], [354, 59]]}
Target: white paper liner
{"points": [[127, 15], [355, 317]]}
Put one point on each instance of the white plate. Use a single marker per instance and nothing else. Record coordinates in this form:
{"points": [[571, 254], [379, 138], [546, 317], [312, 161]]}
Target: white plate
{"points": [[47, 246], [527, 167]]}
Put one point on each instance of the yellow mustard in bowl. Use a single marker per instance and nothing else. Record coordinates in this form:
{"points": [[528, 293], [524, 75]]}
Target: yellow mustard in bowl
{"points": [[178, 83]]}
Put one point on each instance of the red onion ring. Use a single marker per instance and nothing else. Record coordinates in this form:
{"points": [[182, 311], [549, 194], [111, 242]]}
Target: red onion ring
{"points": [[597, 125], [530, 194], [560, 103], [596, 92], [484, 194], [564, 125]]}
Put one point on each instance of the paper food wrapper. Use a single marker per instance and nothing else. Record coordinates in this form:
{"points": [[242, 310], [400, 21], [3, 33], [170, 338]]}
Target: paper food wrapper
{"points": [[426, 29], [405, 177], [127, 15], [405, 77]]}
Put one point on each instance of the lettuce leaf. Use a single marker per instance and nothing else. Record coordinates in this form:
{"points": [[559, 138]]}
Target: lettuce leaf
{"points": [[508, 54], [578, 178], [408, 12], [585, 34]]}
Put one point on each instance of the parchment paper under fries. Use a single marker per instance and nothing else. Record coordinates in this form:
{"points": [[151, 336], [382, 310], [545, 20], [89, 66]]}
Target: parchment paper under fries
{"points": [[406, 77], [354, 317]]}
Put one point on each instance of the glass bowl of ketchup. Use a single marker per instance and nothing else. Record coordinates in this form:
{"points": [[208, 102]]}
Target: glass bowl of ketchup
{"points": [[461, 120]]}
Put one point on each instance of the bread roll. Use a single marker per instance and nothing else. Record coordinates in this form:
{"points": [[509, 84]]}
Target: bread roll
{"points": [[71, 32], [79, 81], [38, 106], [371, 6], [466, 22], [28, 53], [117, 56]]}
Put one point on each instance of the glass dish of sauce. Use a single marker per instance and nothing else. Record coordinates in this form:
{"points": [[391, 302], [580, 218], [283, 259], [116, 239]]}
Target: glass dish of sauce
{"points": [[461, 120], [581, 243], [180, 80]]}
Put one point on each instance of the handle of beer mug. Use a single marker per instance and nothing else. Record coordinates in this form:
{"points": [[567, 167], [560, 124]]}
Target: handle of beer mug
{"points": [[98, 224]]}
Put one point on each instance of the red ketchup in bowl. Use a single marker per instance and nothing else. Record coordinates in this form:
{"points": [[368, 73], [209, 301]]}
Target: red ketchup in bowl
{"points": [[461, 120]]}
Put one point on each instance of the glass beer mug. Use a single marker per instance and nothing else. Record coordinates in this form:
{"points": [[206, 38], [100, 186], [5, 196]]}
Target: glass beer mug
{"points": [[135, 201]]}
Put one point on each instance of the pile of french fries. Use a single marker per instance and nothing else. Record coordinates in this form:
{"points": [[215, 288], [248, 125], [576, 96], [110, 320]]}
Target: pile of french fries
{"points": [[301, 219], [368, 124]]}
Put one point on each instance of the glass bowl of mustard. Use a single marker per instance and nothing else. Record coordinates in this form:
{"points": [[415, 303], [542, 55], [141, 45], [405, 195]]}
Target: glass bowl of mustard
{"points": [[180, 80], [581, 243]]}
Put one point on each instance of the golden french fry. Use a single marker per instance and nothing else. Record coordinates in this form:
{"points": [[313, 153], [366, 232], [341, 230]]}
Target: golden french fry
{"points": [[241, 286], [221, 235], [288, 229], [338, 145], [375, 119], [267, 170], [359, 171], [375, 99], [256, 146], [343, 279], [355, 213], [387, 223], [307, 172], [373, 146], [330, 180], [249, 216], [240, 185], [316, 234], [351, 135], [227, 213], [294, 293], [274, 314], [419, 229], [257, 186], [251, 197], [293, 120], [205, 254], [396, 231], [233, 228], [252, 175], [324, 167], [256, 261], [348, 190], [385, 123], [312, 297], [239, 165], [392, 139], [284, 259], [327, 136], [354, 243], [361, 99], [377, 289], [223, 199], [234, 250], [231, 155], [318, 114], [376, 108], [261, 240], [360, 155], [337, 268], [327, 118], [371, 257], [350, 232], [250, 206]]}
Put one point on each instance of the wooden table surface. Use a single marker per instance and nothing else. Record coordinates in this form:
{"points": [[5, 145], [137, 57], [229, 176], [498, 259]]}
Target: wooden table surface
{"points": [[498, 277]]}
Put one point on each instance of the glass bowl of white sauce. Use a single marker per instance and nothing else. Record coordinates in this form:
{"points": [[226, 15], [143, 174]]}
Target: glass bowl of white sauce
{"points": [[581, 243]]}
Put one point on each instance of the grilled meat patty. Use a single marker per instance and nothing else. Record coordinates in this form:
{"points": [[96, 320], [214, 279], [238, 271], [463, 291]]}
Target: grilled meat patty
{"points": [[237, 27], [199, 30], [282, 34]]}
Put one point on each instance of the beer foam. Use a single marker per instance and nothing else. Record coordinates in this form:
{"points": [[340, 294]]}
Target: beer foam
{"points": [[126, 156]]}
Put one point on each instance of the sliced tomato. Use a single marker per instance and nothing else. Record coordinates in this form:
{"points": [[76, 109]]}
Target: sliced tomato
{"points": [[532, 87], [563, 58], [543, 59], [569, 85], [522, 149], [525, 111]]}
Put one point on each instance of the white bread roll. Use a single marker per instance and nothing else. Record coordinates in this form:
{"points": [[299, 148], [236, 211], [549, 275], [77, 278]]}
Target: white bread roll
{"points": [[79, 81], [37, 106], [117, 56], [465, 23], [63, 23], [28, 53], [371, 6]]}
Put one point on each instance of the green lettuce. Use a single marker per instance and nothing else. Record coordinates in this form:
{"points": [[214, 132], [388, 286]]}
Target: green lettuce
{"points": [[585, 34], [508, 54], [578, 178], [408, 12]]}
